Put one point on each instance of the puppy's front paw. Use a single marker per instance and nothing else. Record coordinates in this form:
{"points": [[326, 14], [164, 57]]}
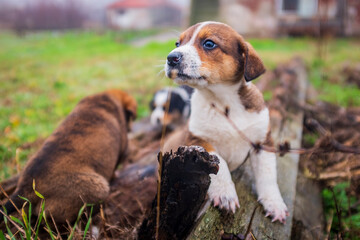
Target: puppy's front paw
{"points": [[275, 208], [224, 197]]}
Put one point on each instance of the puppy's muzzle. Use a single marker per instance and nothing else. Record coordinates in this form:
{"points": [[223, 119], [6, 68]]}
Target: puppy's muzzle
{"points": [[174, 59]]}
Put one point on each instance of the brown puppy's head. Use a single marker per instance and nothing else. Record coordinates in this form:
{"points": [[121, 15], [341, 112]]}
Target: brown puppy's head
{"points": [[128, 102], [211, 53]]}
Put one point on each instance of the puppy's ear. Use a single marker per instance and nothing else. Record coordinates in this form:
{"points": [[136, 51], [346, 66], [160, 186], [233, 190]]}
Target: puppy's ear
{"points": [[254, 66], [152, 105], [130, 117], [130, 107], [128, 102]]}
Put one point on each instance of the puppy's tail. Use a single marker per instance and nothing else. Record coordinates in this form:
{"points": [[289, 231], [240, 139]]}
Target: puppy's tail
{"points": [[11, 206]]}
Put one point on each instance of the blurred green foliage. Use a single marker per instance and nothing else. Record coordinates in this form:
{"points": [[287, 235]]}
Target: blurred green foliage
{"points": [[347, 215]]}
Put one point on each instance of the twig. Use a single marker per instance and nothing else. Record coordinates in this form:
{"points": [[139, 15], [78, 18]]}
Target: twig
{"points": [[338, 212], [314, 123], [284, 147], [226, 115], [329, 225], [339, 174], [251, 221], [342, 148]]}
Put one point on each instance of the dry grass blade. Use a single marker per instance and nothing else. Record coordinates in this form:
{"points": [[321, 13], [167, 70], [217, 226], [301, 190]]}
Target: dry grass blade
{"points": [[7, 196], [162, 140], [20, 229], [329, 225], [103, 222], [158, 196], [338, 213], [252, 236], [56, 228]]}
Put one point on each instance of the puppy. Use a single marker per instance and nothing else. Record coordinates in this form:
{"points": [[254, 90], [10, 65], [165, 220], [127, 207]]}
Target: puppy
{"points": [[219, 64], [76, 162], [179, 105]]}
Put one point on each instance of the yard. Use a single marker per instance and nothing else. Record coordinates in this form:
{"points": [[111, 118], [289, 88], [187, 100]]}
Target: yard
{"points": [[44, 75]]}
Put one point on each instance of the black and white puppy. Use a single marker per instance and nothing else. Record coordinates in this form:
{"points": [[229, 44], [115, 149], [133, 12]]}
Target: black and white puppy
{"points": [[179, 105]]}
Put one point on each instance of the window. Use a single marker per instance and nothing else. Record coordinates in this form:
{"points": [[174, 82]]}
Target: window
{"points": [[290, 5], [302, 8], [121, 11]]}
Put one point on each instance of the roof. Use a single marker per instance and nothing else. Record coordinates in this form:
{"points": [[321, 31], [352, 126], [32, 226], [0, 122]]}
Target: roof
{"points": [[137, 3]]}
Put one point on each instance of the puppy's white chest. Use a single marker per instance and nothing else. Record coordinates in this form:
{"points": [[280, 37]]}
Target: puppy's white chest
{"points": [[211, 125]]}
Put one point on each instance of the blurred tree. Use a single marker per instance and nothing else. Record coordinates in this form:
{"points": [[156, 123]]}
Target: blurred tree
{"points": [[204, 10]]}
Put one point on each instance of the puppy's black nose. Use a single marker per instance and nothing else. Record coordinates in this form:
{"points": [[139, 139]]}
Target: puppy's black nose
{"points": [[174, 59]]}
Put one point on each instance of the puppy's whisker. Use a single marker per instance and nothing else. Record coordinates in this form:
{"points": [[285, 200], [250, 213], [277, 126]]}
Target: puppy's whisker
{"points": [[161, 71]]}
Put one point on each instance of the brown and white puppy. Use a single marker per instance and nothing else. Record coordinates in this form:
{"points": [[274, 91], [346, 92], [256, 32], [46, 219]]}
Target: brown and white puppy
{"points": [[76, 162], [219, 64]]}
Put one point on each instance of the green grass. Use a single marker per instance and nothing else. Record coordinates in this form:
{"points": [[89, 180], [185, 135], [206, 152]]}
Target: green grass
{"points": [[44, 75], [325, 72], [337, 205], [24, 227]]}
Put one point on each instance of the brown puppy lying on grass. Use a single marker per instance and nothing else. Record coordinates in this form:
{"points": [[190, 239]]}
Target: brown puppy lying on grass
{"points": [[75, 164]]}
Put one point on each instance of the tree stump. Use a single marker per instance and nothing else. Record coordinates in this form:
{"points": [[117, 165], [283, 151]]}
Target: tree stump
{"points": [[184, 183]]}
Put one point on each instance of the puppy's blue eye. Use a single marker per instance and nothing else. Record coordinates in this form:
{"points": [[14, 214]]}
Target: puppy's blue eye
{"points": [[208, 44], [177, 44]]}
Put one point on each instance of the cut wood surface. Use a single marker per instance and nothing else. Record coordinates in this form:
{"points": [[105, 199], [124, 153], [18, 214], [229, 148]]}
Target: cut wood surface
{"points": [[286, 125]]}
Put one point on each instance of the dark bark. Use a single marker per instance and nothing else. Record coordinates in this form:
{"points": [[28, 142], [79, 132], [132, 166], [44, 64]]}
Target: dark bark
{"points": [[184, 183]]}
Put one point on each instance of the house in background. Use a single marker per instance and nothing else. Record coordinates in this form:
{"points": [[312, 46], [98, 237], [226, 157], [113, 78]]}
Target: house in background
{"points": [[314, 17], [250, 17], [143, 14], [292, 17]]}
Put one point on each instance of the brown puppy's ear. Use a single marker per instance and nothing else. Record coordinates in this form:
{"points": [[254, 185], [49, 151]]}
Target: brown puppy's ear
{"points": [[128, 102], [254, 66], [130, 107], [130, 117]]}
